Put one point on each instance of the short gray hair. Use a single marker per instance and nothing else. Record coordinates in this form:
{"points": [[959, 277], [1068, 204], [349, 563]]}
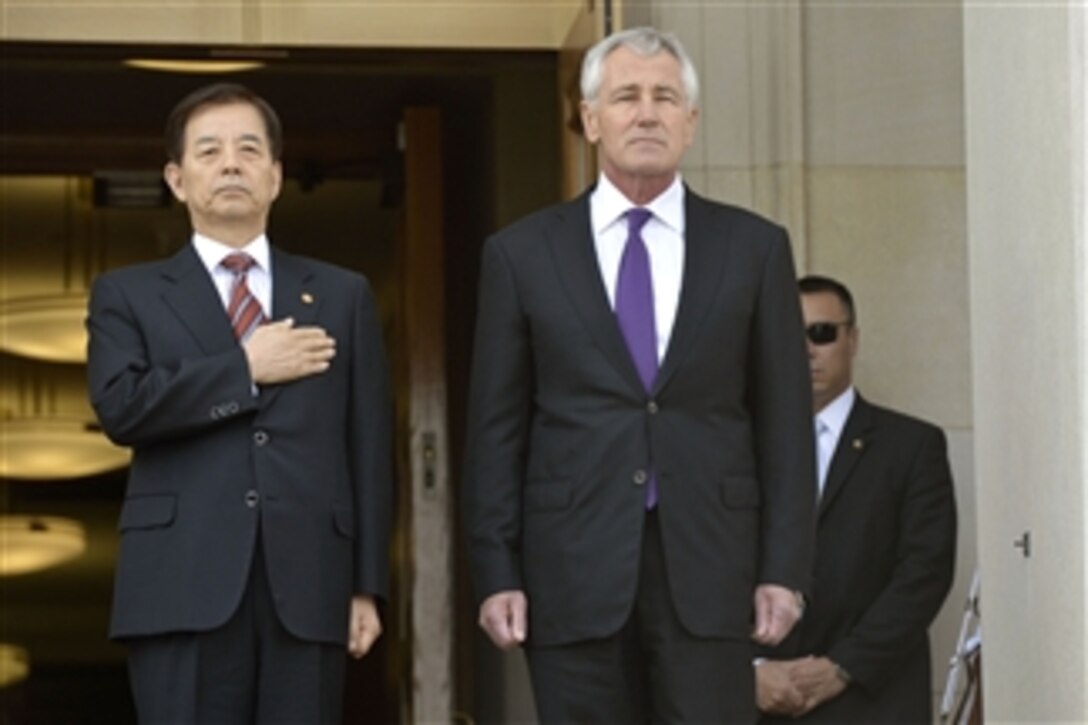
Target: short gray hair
{"points": [[644, 41]]}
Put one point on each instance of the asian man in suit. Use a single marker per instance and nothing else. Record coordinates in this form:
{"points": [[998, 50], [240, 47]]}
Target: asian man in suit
{"points": [[251, 385], [638, 485], [885, 551]]}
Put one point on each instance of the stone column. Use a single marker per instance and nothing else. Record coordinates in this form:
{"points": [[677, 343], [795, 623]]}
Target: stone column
{"points": [[1026, 160]]}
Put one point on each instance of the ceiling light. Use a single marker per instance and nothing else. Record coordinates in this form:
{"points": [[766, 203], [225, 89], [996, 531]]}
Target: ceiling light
{"points": [[194, 66], [31, 543], [45, 327], [14, 664], [43, 449]]}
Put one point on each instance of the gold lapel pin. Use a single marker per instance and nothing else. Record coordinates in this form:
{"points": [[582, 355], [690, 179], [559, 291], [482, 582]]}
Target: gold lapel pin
{"points": [[307, 298], [858, 444]]}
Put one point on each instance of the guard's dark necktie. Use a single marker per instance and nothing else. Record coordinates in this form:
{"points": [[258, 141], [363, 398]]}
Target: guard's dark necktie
{"points": [[635, 313], [243, 309]]}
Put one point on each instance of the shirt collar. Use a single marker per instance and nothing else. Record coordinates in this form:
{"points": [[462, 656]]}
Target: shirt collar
{"points": [[212, 252], [836, 412], [608, 205]]}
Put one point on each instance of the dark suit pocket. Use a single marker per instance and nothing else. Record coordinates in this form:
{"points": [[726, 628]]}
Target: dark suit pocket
{"points": [[740, 492], [343, 518], [547, 494], [147, 512]]}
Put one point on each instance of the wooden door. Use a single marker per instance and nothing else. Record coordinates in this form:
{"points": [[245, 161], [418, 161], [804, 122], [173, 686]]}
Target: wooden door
{"points": [[425, 562]]}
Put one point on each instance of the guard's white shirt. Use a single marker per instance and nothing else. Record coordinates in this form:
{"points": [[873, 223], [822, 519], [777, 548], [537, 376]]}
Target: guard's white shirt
{"points": [[829, 424]]}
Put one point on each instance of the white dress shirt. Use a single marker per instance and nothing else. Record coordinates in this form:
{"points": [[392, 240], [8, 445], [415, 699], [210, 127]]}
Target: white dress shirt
{"points": [[829, 424], [664, 238], [258, 278]]}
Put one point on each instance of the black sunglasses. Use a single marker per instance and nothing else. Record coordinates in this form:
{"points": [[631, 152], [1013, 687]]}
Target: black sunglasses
{"points": [[824, 333]]}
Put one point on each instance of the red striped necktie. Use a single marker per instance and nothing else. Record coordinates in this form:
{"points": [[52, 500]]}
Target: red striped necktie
{"points": [[244, 310]]}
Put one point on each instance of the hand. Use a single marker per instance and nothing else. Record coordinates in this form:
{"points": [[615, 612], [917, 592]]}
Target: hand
{"points": [[365, 626], [777, 610], [280, 352], [503, 617], [776, 694], [818, 680]]}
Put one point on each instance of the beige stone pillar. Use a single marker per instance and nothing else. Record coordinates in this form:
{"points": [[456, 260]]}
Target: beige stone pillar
{"points": [[749, 148], [1026, 160]]}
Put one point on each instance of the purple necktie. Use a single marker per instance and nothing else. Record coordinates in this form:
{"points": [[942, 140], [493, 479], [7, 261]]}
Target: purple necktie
{"points": [[635, 313]]}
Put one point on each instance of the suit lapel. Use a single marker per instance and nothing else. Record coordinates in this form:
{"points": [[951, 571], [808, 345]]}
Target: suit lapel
{"points": [[856, 438], [570, 239], [704, 262], [191, 294], [292, 296]]}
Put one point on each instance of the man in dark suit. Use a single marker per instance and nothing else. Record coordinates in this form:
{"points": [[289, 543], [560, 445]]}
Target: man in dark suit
{"points": [[638, 487], [886, 546], [255, 526]]}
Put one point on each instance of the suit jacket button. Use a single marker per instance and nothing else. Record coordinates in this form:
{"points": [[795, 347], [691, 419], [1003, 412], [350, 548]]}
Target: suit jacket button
{"points": [[651, 407], [252, 497], [639, 478], [260, 438]]}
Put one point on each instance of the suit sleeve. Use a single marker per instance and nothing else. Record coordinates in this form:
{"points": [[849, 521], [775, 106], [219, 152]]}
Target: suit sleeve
{"points": [[139, 402], [781, 404], [899, 617], [499, 408], [370, 435]]}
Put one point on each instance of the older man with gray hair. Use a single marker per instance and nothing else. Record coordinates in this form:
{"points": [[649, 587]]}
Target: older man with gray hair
{"points": [[638, 491]]}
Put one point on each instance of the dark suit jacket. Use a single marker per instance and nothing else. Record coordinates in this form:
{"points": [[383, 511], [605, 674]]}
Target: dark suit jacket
{"points": [[885, 555], [307, 463], [561, 430]]}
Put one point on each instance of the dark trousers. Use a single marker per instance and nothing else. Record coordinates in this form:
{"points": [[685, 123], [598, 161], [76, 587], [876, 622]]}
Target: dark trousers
{"points": [[250, 670], [652, 671]]}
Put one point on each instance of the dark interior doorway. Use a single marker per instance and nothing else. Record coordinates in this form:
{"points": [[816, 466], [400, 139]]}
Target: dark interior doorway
{"points": [[74, 112]]}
